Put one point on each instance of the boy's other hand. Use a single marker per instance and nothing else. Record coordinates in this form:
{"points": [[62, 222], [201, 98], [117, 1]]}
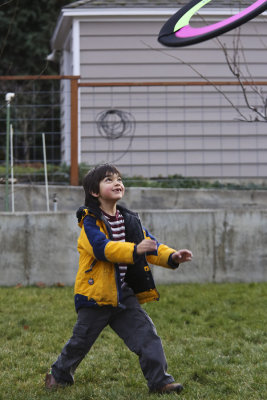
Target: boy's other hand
{"points": [[182, 256], [145, 246]]}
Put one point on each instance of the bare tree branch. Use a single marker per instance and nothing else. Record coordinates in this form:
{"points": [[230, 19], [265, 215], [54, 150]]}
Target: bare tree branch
{"points": [[234, 67], [243, 117], [8, 1], [4, 42]]}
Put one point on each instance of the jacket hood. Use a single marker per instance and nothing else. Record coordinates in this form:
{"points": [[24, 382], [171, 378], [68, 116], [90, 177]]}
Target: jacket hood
{"points": [[83, 211], [81, 214]]}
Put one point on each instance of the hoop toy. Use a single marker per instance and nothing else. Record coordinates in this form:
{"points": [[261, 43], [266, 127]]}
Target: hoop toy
{"points": [[177, 32]]}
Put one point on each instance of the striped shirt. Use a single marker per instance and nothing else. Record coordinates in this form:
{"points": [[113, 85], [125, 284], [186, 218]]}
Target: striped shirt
{"points": [[117, 226]]}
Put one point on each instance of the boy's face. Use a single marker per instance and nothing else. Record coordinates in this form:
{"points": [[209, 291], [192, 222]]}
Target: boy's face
{"points": [[111, 188]]}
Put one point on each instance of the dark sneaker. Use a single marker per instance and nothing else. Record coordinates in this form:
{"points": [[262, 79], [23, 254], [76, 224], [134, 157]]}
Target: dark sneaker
{"points": [[169, 388]]}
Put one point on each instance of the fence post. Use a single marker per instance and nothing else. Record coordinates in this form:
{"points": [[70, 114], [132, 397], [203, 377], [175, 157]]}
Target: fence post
{"points": [[74, 167]]}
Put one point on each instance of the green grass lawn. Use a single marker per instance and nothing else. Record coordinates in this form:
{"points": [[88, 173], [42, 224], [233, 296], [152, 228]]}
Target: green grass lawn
{"points": [[214, 338]]}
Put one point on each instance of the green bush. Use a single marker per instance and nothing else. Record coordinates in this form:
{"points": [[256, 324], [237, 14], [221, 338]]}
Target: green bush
{"points": [[60, 174]]}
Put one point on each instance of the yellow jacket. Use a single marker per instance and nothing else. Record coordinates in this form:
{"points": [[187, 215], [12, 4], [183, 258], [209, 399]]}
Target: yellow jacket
{"points": [[97, 281]]}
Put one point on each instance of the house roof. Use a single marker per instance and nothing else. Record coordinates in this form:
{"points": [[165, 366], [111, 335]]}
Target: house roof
{"points": [[133, 8], [152, 4]]}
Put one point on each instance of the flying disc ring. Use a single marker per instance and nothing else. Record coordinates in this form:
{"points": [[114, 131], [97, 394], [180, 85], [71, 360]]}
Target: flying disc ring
{"points": [[177, 32]]}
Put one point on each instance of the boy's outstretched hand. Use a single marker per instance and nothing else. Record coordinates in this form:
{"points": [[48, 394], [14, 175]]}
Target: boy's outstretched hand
{"points": [[150, 245], [182, 256]]}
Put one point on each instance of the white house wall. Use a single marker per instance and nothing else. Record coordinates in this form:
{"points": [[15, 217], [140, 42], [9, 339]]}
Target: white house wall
{"points": [[69, 65], [121, 50], [191, 131], [190, 143]]}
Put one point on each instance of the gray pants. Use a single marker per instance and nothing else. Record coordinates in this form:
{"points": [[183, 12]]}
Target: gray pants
{"points": [[132, 324]]}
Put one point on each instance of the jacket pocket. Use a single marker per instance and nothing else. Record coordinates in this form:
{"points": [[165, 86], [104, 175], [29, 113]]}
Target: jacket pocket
{"points": [[91, 267]]}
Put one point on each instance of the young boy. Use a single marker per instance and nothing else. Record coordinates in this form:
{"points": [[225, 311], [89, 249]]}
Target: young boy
{"points": [[113, 280]]}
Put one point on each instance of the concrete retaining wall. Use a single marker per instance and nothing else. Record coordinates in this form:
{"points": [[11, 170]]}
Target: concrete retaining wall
{"points": [[69, 198], [228, 246]]}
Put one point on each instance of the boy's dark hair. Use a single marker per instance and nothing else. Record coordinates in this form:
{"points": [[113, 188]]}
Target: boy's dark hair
{"points": [[91, 182]]}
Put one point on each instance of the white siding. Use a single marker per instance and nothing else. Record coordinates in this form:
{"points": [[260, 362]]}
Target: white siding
{"points": [[191, 131], [126, 50], [177, 132], [69, 65], [65, 69]]}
